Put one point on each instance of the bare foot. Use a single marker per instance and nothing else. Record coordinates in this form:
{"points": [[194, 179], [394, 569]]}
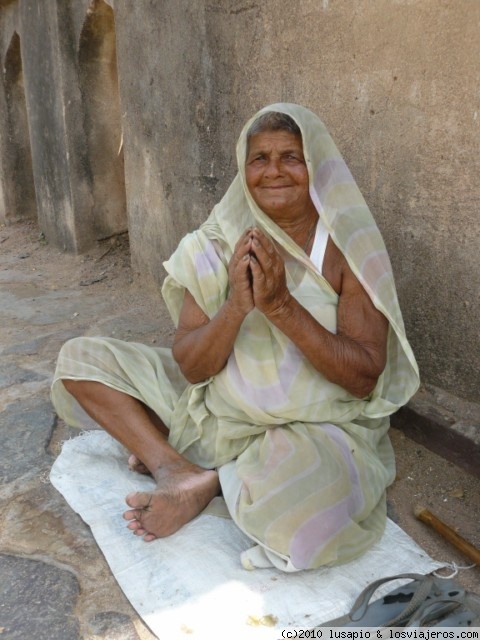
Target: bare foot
{"points": [[183, 491], [134, 464]]}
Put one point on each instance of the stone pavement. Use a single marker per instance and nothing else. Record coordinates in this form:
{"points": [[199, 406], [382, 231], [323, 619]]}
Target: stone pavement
{"points": [[54, 582]]}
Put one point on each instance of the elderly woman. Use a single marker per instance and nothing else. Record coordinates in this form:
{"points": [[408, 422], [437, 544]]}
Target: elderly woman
{"points": [[289, 356]]}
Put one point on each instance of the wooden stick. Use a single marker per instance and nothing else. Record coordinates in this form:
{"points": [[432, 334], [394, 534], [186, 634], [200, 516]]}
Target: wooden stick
{"points": [[449, 534]]}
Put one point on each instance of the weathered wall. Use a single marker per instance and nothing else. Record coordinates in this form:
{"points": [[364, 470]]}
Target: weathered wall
{"points": [[102, 124], [169, 119], [17, 192], [18, 177], [54, 112], [68, 82], [396, 82]]}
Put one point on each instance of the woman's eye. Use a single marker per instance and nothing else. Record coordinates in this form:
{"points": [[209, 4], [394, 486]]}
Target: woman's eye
{"points": [[295, 159]]}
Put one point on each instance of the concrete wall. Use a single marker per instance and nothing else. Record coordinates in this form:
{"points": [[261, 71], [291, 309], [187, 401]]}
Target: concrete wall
{"points": [[169, 124], [396, 82], [53, 108], [61, 62], [17, 192], [102, 125]]}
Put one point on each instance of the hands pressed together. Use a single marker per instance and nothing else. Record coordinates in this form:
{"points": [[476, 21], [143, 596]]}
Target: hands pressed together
{"points": [[256, 275]]}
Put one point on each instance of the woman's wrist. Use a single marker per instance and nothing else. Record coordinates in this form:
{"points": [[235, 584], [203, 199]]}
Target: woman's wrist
{"points": [[283, 310], [235, 310]]}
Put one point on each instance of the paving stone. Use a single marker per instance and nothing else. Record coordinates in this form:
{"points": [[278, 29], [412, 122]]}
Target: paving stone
{"points": [[28, 348], [37, 600], [128, 326], [441, 431], [26, 428], [32, 347], [47, 307], [110, 625], [11, 374]]}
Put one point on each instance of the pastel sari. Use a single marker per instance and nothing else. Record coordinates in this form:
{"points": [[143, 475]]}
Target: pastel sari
{"points": [[303, 464]]}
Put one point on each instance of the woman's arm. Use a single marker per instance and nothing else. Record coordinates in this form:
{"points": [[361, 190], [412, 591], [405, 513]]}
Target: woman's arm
{"points": [[201, 346], [355, 356]]}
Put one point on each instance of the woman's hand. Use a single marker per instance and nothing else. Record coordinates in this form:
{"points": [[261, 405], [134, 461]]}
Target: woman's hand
{"points": [[239, 275], [256, 274], [270, 292]]}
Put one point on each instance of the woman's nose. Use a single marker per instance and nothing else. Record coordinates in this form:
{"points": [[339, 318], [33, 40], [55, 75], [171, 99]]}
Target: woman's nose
{"points": [[273, 167]]}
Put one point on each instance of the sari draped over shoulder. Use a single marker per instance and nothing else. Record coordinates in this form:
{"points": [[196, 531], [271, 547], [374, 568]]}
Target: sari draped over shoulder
{"points": [[303, 464]]}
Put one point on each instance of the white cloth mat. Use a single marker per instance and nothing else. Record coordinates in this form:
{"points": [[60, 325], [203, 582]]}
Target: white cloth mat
{"points": [[191, 585]]}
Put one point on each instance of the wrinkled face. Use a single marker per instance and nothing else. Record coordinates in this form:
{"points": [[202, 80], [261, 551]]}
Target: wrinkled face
{"points": [[276, 174]]}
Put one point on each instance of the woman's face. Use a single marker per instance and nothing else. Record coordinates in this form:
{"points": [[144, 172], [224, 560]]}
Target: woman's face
{"points": [[277, 176]]}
